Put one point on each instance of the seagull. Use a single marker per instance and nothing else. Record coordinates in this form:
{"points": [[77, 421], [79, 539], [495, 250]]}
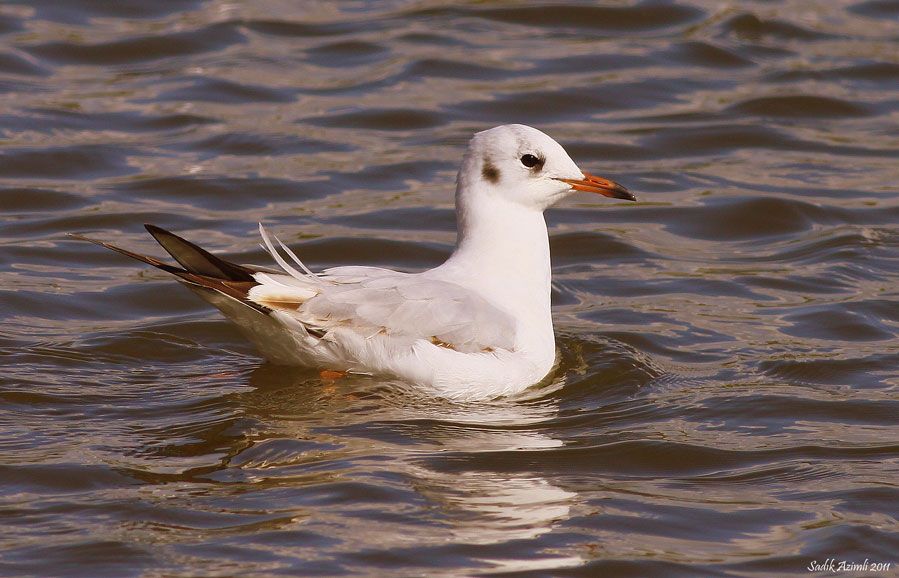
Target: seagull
{"points": [[478, 326]]}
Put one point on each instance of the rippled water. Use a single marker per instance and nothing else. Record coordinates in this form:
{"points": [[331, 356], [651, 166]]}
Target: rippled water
{"points": [[726, 401]]}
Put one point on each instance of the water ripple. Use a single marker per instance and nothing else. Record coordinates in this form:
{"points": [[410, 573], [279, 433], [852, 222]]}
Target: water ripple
{"points": [[724, 395]]}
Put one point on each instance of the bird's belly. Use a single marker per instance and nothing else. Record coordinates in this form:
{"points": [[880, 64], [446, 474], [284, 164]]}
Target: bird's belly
{"points": [[479, 375], [444, 371]]}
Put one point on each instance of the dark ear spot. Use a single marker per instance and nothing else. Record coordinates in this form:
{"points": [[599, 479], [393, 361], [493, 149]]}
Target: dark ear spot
{"points": [[490, 172]]}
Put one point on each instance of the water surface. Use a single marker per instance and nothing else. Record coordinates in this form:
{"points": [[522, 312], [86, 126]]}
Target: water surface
{"points": [[726, 399]]}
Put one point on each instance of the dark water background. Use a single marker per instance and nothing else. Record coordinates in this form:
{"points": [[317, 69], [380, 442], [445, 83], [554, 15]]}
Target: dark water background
{"points": [[726, 403]]}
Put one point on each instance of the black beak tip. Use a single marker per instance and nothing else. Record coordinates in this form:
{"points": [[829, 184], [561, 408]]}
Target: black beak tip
{"points": [[624, 194]]}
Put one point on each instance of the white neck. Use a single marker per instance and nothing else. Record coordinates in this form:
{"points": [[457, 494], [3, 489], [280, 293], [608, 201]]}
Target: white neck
{"points": [[502, 252]]}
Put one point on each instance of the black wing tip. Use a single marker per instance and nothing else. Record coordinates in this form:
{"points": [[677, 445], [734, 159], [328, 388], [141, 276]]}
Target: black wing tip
{"points": [[196, 259], [154, 230]]}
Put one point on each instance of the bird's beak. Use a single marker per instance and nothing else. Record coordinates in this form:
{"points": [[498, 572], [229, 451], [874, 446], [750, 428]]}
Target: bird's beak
{"points": [[605, 187]]}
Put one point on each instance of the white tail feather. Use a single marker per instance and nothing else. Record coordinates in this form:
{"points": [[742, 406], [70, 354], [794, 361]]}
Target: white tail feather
{"points": [[295, 258], [279, 259]]}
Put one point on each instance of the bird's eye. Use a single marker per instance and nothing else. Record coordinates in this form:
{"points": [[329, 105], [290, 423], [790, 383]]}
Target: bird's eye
{"points": [[530, 161]]}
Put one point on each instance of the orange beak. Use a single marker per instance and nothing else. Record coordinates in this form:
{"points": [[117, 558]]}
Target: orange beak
{"points": [[605, 187]]}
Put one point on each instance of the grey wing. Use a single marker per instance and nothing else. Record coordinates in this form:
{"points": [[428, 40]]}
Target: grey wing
{"points": [[379, 301], [372, 301]]}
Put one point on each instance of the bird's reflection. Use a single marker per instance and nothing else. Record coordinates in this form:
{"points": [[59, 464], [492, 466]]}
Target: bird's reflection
{"points": [[460, 458]]}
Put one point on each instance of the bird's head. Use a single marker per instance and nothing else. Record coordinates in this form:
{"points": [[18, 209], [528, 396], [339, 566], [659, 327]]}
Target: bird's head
{"points": [[529, 168]]}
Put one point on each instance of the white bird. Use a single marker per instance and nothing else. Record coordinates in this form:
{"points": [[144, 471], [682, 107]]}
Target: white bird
{"points": [[477, 326]]}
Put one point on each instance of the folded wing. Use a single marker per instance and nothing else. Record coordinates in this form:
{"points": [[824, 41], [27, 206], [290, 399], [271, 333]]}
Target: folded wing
{"points": [[380, 302]]}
